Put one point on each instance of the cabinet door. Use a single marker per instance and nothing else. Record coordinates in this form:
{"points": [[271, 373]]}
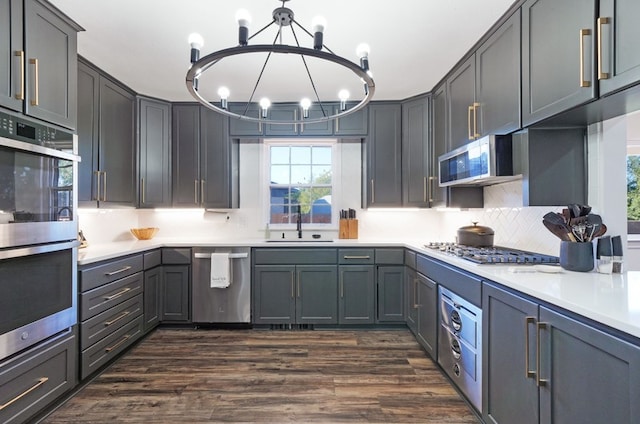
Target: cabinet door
{"points": [[10, 47], [185, 155], [411, 294], [151, 295], [154, 151], [415, 152], [498, 80], [383, 182], [509, 385], [319, 128], [282, 113], [317, 294], [354, 124], [556, 74], [439, 146], [274, 294], [462, 125], [428, 314], [592, 376], [357, 294], [239, 127], [391, 293], [620, 54], [51, 66], [175, 293], [117, 153], [88, 133], [218, 161]]}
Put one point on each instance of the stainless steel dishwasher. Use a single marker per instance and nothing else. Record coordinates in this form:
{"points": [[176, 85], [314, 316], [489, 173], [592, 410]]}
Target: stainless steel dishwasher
{"points": [[222, 305]]}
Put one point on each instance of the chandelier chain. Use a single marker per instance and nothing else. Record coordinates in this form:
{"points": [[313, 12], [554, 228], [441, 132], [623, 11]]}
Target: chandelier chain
{"points": [[255, 87], [313, 84]]}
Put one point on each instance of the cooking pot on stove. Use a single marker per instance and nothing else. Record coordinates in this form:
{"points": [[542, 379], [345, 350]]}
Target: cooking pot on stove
{"points": [[475, 235]]}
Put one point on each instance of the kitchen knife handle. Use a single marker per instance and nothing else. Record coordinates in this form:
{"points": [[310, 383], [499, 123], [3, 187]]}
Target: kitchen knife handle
{"points": [[527, 372], [20, 94], [601, 22], [35, 100], [583, 33], [539, 381]]}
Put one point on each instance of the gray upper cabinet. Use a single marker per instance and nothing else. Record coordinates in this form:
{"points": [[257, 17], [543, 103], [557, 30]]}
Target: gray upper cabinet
{"points": [[318, 128], [497, 109], [558, 43], [415, 153], [242, 128], [39, 71], [283, 112], [620, 57], [205, 172], [461, 104], [294, 112], [382, 181], [439, 145], [106, 140], [355, 124], [154, 153]]}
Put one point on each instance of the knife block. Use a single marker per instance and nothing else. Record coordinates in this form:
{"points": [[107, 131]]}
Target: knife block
{"points": [[348, 229]]}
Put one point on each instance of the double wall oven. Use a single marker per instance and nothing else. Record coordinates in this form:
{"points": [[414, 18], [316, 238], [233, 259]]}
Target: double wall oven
{"points": [[38, 232]]}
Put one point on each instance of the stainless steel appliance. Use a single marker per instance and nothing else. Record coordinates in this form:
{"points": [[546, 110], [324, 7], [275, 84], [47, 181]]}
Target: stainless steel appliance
{"points": [[38, 232], [222, 305], [460, 344], [488, 160], [493, 254]]}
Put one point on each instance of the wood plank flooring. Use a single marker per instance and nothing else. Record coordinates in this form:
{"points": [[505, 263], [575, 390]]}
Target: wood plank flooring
{"points": [[204, 376]]}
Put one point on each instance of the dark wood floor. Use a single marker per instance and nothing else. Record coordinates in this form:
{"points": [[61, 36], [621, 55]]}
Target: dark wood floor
{"points": [[204, 376]]}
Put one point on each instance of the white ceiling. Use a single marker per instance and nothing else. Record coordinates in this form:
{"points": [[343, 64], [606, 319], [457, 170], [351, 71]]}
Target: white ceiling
{"points": [[414, 43]]}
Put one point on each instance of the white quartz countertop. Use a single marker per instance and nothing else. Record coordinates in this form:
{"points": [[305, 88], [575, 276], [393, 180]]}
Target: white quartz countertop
{"points": [[610, 299]]}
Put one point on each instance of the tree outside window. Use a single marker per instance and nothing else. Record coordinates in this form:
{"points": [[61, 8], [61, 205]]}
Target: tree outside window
{"points": [[633, 194]]}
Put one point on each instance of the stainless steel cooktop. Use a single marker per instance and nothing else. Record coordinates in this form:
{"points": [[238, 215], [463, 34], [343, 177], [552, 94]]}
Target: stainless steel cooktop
{"points": [[493, 254]]}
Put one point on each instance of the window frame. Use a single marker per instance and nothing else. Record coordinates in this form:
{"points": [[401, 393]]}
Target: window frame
{"points": [[633, 149], [335, 180]]}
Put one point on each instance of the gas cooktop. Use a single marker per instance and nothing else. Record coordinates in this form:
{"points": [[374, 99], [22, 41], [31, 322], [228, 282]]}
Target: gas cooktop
{"points": [[493, 254]]}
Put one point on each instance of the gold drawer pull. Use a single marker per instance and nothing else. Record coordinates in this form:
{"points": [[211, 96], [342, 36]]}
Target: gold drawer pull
{"points": [[122, 315], [120, 293], [109, 274], [117, 345], [40, 382], [357, 257]]}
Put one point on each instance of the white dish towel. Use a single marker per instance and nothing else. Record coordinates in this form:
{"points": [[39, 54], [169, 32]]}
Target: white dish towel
{"points": [[221, 274]]}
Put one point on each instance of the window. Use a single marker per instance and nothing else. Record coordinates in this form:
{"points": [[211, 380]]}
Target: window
{"points": [[301, 179], [633, 186]]}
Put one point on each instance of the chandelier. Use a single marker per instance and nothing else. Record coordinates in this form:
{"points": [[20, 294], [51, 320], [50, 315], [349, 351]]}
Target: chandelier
{"points": [[282, 17]]}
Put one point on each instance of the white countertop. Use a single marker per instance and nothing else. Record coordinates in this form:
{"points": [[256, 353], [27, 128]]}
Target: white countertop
{"points": [[612, 300]]}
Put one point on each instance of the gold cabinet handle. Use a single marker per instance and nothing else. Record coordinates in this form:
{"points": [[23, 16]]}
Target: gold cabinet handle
{"points": [[341, 288], [40, 382], [142, 189], [104, 186], [118, 271], [583, 82], [431, 190], [295, 118], [195, 191], [601, 22], [528, 373], [539, 381], [424, 189], [97, 175], [373, 192], [202, 183], [113, 321], [117, 345], [120, 293], [20, 94], [475, 120], [293, 286], [35, 100], [298, 284], [415, 293], [469, 113], [357, 257]]}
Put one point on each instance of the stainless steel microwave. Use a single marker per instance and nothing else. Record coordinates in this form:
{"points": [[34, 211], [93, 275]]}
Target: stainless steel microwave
{"points": [[485, 161]]}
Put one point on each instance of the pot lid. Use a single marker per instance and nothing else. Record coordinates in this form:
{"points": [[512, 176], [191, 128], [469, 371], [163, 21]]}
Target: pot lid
{"points": [[477, 229]]}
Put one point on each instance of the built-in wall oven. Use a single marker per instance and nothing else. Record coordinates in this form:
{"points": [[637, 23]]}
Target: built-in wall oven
{"points": [[38, 232]]}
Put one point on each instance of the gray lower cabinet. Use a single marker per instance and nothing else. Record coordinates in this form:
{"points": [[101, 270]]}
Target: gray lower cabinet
{"points": [[382, 174], [273, 292], [618, 25], [316, 300], [416, 158], [111, 305], [33, 379], [175, 293], [542, 366], [356, 302], [558, 50], [427, 304], [154, 153], [411, 295], [151, 295], [391, 288]]}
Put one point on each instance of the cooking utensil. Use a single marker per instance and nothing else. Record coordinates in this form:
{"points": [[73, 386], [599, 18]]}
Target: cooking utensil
{"points": [[594, 222], [475, 235], [559, 231], [600, 231]]}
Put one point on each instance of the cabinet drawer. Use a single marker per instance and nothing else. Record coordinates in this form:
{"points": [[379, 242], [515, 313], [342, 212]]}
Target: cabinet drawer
{"points": [[96, 276], [99, 300], [356, 256], [295, 256], [104, 350], [109, 321], [465, 285], [152, 259], [176, 256], [36, 378], [410, 258], [389, 256]]}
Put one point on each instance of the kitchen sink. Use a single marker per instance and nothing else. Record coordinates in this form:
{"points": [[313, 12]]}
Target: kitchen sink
{"points": [[299, 241]]}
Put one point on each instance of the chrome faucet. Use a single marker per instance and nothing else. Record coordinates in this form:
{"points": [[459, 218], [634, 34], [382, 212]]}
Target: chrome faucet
{"points": [[299, 222]]}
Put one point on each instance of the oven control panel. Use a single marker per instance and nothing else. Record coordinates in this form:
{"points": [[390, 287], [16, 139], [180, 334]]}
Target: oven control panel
{"points": [[19, 128]]}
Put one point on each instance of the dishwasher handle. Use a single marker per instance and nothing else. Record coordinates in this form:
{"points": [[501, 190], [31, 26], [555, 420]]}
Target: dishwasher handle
{"points": [[231, 255]]}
